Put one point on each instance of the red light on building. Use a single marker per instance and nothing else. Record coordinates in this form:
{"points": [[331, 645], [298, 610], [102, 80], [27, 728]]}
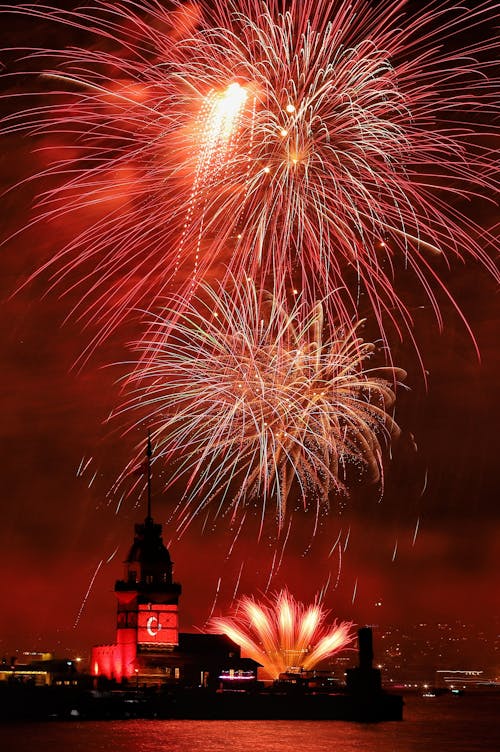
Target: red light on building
{"points": [[157, 624]]}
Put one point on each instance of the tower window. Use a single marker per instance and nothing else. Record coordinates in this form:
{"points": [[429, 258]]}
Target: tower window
{"points": [[149, 579]]}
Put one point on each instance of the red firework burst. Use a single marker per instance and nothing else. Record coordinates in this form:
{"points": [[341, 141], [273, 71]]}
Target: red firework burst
{"points": [[321, 146]]}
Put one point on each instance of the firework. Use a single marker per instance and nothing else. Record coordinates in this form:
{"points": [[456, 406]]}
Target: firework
{"points": [[257, 405], [324, 146], [283, 634]]}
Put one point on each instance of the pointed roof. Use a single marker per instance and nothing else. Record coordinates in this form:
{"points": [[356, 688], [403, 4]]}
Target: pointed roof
{"points": [[148, 546]]}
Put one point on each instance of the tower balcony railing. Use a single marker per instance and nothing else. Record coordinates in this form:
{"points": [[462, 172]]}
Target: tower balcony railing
{"points": [[157, 585]]}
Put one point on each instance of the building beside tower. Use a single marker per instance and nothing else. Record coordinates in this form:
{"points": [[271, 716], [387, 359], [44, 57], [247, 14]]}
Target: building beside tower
{"points": [[149, 648]]}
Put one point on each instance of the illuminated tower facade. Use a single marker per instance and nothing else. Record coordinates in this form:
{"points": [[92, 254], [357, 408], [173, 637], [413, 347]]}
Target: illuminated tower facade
{"points": [[147, 604], [148, 599]]}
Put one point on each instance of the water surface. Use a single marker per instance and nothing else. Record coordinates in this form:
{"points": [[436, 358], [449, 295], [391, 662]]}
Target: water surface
{"points": [[462, 724]]}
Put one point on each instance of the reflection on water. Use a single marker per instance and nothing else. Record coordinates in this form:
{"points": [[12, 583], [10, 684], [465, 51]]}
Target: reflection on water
{"points": [[461, 724]]}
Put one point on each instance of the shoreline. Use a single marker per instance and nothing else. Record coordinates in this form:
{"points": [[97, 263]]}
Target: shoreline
{"points": [[72, 703]]}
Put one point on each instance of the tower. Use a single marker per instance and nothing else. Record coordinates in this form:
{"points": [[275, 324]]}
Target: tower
{"points": [[147, 597], [364, 680], [147, 602]]}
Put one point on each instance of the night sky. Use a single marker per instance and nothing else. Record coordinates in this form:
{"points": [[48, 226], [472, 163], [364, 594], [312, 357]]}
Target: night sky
{"points": [[56, 526]]}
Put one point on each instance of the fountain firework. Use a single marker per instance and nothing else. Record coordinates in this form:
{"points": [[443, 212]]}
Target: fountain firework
{"points": [[283, 634]]}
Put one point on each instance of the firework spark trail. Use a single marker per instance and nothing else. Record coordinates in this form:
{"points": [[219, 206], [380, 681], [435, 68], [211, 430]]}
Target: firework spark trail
{"points": [[339, 570], [217, 124], [424, 487], [237, 585], [92, 479], [338, 546], [415, 532], [216, 596], [86, 596], [112, 555], [83, 466], [337, 541], [324, 147], [395, 550], [354, 591], [324, 589], [91, 584], [282, 633], [271, 572], [285, 541], [347, 538], [245, 394], [119, 503], [235, 537]]}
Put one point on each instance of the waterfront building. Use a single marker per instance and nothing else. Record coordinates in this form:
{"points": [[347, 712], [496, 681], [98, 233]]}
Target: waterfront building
{"points": [[149, 648], [41, 669]]}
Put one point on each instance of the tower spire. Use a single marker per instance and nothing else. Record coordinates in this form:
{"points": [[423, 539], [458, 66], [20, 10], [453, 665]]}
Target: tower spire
{"points": [[148, 455]]}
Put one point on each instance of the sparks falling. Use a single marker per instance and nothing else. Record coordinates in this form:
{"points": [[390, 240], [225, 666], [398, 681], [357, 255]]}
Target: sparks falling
{"points": [[283, 634], [258, 405]]}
